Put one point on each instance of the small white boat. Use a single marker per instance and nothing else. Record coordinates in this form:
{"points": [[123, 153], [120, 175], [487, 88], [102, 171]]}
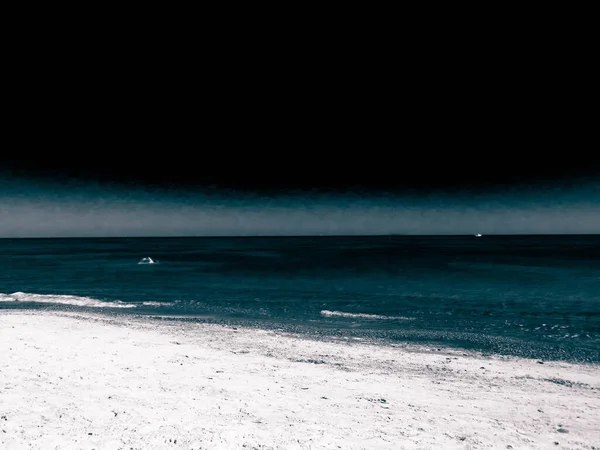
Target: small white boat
{"points": [[478, 235], [147, 260]]}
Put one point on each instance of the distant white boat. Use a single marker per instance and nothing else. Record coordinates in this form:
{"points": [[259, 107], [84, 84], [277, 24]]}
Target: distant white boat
{"points": [[147, 260], [477, 235]]}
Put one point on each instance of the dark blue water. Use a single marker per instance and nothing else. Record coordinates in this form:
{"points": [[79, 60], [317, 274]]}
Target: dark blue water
{"points": [[534, 296]]}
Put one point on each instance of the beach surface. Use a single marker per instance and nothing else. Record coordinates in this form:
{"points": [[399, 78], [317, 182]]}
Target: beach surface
{"points": [[88, 381]]}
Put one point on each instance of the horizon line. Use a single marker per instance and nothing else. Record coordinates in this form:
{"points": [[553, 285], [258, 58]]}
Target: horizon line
{"points": [[299, 235]]}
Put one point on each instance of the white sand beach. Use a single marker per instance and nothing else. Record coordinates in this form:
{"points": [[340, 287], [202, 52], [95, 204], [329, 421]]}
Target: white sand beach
{"points": [[86, 381]]}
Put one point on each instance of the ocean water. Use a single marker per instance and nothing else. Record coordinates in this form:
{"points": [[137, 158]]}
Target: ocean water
{"points": [[532, 296]]}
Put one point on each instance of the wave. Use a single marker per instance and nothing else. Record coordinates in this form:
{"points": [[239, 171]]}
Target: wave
{"points": [[72, 300], [363, 315], [156, 304]]}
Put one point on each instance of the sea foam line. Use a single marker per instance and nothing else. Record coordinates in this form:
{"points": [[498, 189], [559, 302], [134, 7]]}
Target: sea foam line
{"points": [[62, 300], [326, 312], [156, 304]]}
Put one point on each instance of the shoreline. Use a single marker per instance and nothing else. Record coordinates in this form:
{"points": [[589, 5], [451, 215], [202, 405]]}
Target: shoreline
{"points": [[464, 342], [85, 380]]}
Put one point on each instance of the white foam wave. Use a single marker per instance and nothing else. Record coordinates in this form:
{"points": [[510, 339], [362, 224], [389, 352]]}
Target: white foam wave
{"points": [[147, 260], [62, 300], [363, 315], [156, 304]]}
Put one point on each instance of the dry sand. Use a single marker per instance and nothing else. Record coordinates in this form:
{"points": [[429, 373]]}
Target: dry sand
{"points": [[73, 381]]}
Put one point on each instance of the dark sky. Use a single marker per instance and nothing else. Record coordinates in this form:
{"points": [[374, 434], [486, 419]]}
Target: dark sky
{"points": [[334, 108], [385, 133], [331, 121], [359, 170], [317, 142]]}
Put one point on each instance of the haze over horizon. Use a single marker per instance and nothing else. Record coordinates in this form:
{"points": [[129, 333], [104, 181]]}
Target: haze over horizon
{"points": [[46, 207]]}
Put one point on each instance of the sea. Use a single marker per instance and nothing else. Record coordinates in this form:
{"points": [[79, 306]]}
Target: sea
{"points": [[535, 296]]}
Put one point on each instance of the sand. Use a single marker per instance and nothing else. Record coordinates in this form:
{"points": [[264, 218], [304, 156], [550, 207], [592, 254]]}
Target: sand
{"points": [[85, 381]]}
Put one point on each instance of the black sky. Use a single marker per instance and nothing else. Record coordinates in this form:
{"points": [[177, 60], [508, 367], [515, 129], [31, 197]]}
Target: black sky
{"points": [[358, 171], [339, 108], [424, 126]]}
